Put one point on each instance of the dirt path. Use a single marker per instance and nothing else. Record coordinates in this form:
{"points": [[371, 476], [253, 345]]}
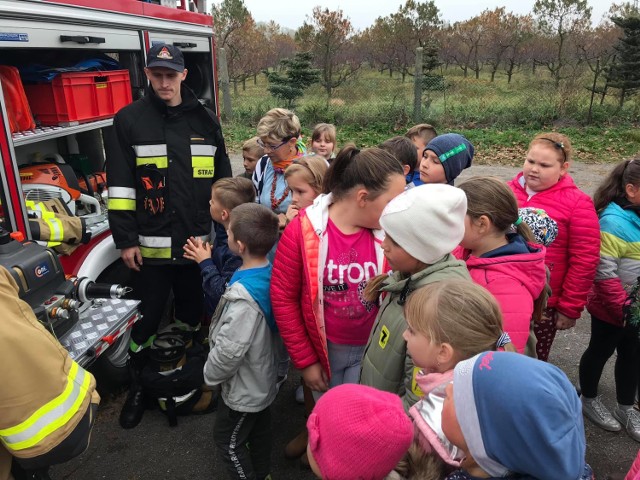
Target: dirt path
{"points": [[153, 450]]}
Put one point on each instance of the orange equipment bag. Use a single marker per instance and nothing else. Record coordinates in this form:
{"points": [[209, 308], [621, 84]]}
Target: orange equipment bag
{"points": [[18, 110]]}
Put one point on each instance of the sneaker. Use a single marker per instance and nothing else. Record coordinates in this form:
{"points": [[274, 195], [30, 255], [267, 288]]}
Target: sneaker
{"points": [[594, 410], [630, 418], [300, 395]]}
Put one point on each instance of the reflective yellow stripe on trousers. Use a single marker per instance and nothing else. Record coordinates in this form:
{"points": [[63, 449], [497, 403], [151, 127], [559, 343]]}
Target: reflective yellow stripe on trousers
{"points": [[52, 415]]}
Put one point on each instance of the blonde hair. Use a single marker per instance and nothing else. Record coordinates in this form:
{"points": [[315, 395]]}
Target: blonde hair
{"points": [[423, 131], [458, 312], [312, 168], [557, 141], [231, 192], [419, 465], [251, 146], [279, 124], [324, 129]]}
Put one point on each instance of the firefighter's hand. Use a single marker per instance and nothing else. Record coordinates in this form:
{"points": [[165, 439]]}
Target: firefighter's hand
{"points": [[197, 250], [315, 378], [563, 322], [131, 257]]}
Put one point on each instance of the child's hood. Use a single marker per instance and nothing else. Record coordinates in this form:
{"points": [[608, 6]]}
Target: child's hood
{"points": [[427, 415], [256, 283], [526, 268]]}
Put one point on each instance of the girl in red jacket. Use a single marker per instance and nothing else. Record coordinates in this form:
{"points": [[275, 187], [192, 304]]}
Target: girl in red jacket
{"points": [[324, 259], [573, 257], [501, 254]]}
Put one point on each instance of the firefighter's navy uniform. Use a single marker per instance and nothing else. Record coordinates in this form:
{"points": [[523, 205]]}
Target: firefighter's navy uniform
{"points": [[160, 168], [47, 401]]}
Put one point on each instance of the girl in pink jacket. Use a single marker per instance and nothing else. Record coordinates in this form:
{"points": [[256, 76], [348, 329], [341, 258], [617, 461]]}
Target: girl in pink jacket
{"points": [[501, 255], [573, 257], [324, 260]]}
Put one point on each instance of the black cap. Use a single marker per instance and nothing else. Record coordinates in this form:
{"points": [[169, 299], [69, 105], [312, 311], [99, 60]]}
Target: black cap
{"points": [[164, 55]]}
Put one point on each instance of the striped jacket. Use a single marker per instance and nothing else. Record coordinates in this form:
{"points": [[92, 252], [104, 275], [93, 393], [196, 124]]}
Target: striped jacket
{"points": [[160, 166], [44, 393], [619, 265]]}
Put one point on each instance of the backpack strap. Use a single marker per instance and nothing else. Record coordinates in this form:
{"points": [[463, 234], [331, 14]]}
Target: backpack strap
{"points": [[258, 174]]}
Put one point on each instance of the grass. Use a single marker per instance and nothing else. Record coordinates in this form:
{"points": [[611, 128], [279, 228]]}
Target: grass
{"points": [[498, 118]]}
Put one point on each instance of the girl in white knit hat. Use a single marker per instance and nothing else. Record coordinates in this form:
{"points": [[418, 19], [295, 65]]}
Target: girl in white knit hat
{"points": [[423, 226]]}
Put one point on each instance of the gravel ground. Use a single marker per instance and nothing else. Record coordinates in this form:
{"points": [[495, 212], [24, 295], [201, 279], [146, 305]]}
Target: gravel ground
{"points": [[153, 450]]}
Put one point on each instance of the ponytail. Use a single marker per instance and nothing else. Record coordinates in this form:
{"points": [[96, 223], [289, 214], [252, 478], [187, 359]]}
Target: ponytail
{"points": [[370, 168], [613, 187]]}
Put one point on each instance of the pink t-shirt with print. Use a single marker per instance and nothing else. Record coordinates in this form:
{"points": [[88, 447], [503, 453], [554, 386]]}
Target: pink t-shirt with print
{"points": [[351, 262]]}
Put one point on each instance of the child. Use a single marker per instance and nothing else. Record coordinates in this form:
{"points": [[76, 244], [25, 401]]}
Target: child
{"points": [[324, 259], [304, 177], [420, 135], [218, 263], [323, 140], [447, 322], [573, 257], [616, 201], [423, 226], [444, 158], [357, 432], [405, 152], [251, 153], [501, 256], [243, 359], [513, 416]]}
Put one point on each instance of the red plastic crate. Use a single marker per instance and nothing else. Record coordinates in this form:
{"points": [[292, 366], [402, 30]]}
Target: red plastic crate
{"points": [[77, 97]]}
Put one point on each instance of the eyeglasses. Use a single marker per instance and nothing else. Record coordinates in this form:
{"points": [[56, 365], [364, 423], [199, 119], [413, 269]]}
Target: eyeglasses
{"points": [[272, 147]]}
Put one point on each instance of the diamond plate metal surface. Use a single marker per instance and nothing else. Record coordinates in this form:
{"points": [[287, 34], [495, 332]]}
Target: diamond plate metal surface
{"points": [[104, 317]]}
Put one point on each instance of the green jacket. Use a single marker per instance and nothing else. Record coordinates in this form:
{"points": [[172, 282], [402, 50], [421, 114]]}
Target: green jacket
{"points": [[386, 364]]}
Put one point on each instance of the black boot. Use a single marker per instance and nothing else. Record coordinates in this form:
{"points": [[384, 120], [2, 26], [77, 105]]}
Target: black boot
{"points": [[134, 405]]}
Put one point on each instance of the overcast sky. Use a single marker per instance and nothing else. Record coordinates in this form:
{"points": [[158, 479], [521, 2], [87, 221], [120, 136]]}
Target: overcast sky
{"points": [[292, 13]]}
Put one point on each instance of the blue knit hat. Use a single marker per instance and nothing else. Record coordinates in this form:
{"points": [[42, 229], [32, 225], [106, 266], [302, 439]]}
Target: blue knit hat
{"points": [[454, 151], [519, 415]]}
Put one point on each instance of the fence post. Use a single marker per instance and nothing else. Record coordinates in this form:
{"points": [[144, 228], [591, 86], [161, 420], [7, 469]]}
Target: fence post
{"points": [[224, 83], [417, 88]]}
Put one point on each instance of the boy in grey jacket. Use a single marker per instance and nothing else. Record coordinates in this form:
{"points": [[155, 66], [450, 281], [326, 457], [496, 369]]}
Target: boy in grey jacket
{"points": [[244, 348]]}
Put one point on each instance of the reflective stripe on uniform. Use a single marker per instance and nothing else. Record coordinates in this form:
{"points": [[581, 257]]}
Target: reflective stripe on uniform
{"points": [[56, 230], [159, 162], [121, 204], [147, 252], [122, 198], [154, 242], [122, 192], [202, 162], [158, 150], [155, 247], [52, 415], [151, 154], [203, 150]]}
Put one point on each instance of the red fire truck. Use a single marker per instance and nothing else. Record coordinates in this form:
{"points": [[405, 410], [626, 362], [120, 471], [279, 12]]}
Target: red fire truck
{"points": [[72, 121]]}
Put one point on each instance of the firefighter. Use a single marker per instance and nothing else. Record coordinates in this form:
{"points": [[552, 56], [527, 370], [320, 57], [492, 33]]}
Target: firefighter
{"points": [[47, 401], [167, 151]]}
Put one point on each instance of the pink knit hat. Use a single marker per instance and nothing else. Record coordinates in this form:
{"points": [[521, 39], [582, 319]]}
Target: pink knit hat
{"points": [[358, 432]]}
